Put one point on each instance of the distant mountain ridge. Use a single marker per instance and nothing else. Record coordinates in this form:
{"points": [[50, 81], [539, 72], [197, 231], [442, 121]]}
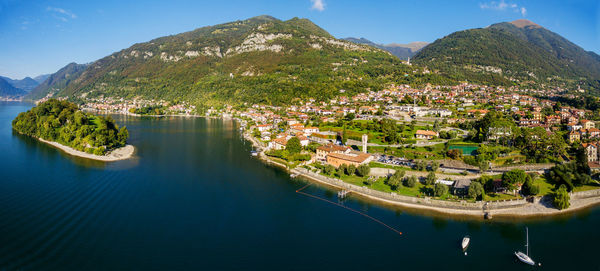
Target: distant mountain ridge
{"points": [[9, 91], [518, 53], [41, 78], [402, 51], [26, 84], [57, 81]]}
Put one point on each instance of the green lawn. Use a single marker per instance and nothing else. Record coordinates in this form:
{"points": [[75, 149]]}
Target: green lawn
{"points": [[545, 187], [498, 196], [586, 187]]}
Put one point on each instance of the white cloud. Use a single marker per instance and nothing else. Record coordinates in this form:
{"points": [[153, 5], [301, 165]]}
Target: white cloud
{"points": [[61, 14], [318, 5], [503, 6]]}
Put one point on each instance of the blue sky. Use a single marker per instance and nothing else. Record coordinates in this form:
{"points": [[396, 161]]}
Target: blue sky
{"points": [[38, 37]]}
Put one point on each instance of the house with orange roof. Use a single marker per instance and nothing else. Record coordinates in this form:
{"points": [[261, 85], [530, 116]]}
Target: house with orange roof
{"points": [[426, 134]]}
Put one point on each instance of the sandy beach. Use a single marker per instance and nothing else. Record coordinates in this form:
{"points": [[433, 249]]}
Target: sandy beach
{"points": [[115, 155]]}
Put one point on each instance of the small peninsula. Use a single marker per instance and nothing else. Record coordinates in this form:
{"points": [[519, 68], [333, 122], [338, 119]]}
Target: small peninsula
{"points": [[62, 125]]}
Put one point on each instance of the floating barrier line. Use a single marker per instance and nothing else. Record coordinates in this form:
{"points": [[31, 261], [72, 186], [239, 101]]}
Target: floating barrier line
{"points": [[299, 191]]}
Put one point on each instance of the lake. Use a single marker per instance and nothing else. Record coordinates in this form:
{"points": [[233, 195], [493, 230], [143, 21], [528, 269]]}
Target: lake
{"points": [[194, 198]]}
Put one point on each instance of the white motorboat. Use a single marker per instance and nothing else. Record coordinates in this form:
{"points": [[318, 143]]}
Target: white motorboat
{"points": [[465, 242], [524, 257]]}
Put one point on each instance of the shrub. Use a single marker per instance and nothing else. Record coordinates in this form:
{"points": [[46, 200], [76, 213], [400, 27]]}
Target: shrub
{"points": [[440, 189], [99, 151], [329, 169]]}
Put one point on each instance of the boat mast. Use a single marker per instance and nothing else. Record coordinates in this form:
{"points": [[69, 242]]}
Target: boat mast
{"points": [[527, 244]]}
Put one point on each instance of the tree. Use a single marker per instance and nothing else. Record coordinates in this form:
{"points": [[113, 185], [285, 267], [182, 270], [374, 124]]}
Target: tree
{"points": [[363, 170], [293, 145], [436, 126], [483, 165], [389, 130], [341, 170], [328, 169], [529, 189], [440, 189], [394, 182], [434, 166], [350, 117], [351, 170], [421, 165], [430, 179], [570, 174], [454, 154], [122, 136], [561, 198], [475, 190], [511, 179], [410, 181]]}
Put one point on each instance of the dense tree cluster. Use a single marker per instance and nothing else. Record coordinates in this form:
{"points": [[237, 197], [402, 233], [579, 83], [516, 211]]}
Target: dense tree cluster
{"points": [[575, 173], [63, 122]]}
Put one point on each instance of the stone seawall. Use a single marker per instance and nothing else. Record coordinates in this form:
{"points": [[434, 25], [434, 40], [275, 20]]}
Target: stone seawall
{"points": [[478, 207]]}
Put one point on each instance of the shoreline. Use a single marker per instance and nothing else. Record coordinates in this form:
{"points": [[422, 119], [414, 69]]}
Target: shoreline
{"points": [[540, 208], [122, 153]]}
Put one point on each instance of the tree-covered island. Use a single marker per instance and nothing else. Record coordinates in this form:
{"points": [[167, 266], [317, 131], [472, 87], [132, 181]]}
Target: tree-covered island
{"points": [[63, 122]]}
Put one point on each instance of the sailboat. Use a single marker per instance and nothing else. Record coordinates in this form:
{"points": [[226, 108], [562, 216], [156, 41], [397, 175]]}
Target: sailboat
{"points": [[525, 257], [465, 242]]}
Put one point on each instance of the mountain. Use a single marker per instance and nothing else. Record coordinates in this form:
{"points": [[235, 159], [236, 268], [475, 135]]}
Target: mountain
{"points": [[553, 43], [9, 91], [402, 51], [57, 81], [26, 84], [258, 60], [41, 78], [515, 53]]}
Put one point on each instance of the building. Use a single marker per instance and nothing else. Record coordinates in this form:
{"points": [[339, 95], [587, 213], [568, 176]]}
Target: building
{"points": [[591, 150], [264, 127], [278, 143], [352, 158], [588, 124], [461, 187], [426, 134], [323, 151], [574, 136]]}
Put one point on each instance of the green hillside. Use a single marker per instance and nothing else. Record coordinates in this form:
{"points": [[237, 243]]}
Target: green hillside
{"points": [[506, 54], [259, 60]]}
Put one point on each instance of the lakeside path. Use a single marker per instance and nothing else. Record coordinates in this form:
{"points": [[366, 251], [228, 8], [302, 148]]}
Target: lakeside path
{"points": [[115, 155]]}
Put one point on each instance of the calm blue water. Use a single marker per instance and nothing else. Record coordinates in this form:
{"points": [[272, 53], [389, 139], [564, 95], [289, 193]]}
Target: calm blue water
{"points": [[194, 199]]}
